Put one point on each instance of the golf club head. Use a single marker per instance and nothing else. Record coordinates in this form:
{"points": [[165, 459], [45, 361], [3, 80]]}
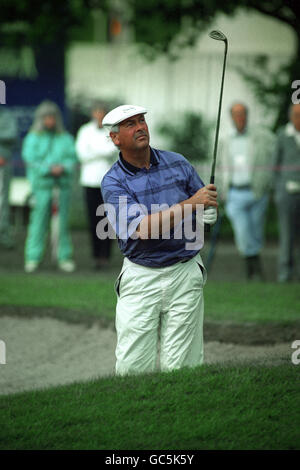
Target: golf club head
{"points": [[218, 35]]}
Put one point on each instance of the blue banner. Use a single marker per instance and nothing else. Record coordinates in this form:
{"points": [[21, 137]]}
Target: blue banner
{"points": [[31, 76]]}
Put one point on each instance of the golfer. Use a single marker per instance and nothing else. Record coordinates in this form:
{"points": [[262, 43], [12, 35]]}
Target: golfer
{"points": [[160, 286]]}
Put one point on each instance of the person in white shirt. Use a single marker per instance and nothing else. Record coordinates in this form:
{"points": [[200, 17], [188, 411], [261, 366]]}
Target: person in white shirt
{"points": [[96, 152]]}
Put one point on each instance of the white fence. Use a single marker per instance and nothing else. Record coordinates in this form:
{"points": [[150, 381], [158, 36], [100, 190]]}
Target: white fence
{"points": [[164, 87]]}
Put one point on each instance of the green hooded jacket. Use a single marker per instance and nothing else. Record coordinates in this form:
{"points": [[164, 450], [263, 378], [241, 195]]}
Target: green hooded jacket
{"points": [[43, 150]]}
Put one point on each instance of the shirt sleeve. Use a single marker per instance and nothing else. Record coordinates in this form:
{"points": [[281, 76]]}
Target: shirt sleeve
{"points": [[194, 182], [123, 211], [8, 127], [277, 159], [8, 134], [70, 158], [82, 146]]}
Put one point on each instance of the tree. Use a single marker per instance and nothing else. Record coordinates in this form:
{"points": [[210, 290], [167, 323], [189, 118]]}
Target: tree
{"points": [[168, 25], [189, 135], [40, 23], [159, 25]]}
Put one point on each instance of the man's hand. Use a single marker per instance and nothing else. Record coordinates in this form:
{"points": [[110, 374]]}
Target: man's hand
{"points": [[210, 215], [57, 170], [2, 161], [206, 195]]}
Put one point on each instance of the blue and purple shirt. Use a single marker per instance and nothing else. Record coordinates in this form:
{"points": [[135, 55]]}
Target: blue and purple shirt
{"points": [[132, 191]]}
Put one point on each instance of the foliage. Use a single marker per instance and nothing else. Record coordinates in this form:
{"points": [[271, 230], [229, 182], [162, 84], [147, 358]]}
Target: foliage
{"points": [[34, 22], [161, 24], [170, 25], [189, 135], [158, 25]]}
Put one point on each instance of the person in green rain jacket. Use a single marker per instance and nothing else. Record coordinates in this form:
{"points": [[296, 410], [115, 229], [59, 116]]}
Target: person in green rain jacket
{"points": [[49, 153]]}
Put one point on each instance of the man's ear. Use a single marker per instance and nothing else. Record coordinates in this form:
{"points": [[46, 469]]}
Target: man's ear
{"points": [[115, 138]]}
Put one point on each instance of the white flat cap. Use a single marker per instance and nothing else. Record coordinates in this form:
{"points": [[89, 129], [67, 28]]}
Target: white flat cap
{"points": [[121, 113]]}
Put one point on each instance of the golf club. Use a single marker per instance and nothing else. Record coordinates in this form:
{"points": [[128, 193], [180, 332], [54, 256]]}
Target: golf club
{"points": [[218, 36]]}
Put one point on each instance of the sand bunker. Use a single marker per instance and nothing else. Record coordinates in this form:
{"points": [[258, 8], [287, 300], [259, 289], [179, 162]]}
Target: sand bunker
{"points": [[43, 352]]}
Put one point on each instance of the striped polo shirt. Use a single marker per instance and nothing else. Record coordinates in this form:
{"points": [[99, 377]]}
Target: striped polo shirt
{"points": [[133, 191]]}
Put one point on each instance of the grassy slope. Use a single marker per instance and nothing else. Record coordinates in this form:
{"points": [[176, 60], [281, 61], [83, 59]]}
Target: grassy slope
{"points": [[206, 408], [238, 302], [89, 295]]}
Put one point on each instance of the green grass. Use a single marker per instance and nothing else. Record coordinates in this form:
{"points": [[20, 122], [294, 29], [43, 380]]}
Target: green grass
{"points": [[224, 301], [209, 407], [90, 295], [252, 302]]}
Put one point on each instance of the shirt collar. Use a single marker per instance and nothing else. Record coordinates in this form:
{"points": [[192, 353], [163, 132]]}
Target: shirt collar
{"points": [[290, 130], [241, 134], [233, 132], [132, 169], [96, 125]]}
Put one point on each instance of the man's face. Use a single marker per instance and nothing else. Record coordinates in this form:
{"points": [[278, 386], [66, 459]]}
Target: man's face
{"points": [[133, 134], [295, 116], [239, 117], [98, 115]]}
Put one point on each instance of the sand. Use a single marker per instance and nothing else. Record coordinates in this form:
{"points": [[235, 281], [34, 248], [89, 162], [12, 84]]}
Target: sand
{"points": [[45, 352]]}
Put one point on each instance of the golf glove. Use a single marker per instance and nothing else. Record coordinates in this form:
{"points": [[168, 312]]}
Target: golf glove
{"points": [[210, 215]]}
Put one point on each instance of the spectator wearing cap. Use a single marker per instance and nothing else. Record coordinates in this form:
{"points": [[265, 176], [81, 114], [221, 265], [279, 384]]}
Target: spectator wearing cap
{"points": [[160, 286], [96, 153]]}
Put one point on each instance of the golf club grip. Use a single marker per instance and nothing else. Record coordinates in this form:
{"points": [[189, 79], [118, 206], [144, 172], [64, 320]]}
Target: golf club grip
{"points": [[207, 226]]}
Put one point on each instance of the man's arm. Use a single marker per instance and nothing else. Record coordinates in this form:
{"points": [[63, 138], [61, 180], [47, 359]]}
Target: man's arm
{"points": [[277, 158], [8, 136], [207, 196], [83, 148]]}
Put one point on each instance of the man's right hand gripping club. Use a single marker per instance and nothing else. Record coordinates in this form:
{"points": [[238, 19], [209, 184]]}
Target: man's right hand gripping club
{"points": [[210, 213]]}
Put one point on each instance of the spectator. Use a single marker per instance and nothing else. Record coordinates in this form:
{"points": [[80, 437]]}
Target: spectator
{"points": [[287, 196], [246, 160], [49, 153], [8, 136], [95, 151]]}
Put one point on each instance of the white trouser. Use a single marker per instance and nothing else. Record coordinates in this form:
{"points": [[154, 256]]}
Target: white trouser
{"points": [[165, 302]]}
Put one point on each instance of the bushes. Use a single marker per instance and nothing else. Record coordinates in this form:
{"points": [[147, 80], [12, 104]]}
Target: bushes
{"points": [[189, 135]]}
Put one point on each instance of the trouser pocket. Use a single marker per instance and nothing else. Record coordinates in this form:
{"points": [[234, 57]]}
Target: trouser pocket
{"points": [[117, 284], [203, 272]]}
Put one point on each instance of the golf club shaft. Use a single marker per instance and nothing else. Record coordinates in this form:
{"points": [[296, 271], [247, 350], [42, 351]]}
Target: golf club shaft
{"points": [[212, 175]]}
